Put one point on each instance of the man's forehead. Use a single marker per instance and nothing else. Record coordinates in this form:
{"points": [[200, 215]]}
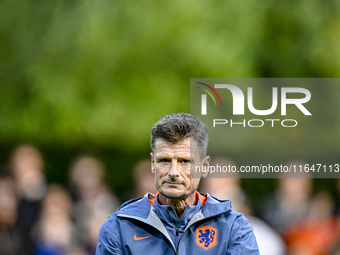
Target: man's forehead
{"points": [[188, 140], [186, 144]]}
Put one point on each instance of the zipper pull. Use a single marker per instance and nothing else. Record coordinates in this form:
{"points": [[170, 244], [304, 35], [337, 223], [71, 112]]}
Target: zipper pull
{"points": [[176, 231]]}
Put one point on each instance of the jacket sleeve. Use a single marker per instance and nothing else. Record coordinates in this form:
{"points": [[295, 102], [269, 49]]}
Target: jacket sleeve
{"points": [[242, 239], [109, 240]]}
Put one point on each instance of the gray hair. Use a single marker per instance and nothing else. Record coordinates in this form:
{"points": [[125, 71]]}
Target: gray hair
{"points": [[176, 127]]}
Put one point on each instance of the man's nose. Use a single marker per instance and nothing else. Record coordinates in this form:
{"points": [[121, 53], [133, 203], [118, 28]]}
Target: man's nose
{"points": [[174, 168]]}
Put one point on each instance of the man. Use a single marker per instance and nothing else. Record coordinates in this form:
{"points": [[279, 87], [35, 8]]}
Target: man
{"points": [[178, 219]]}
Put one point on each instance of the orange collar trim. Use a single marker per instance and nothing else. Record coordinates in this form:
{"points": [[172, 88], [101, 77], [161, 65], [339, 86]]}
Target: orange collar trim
{"points": [[152, 201], [198, 196], [202, 198]]}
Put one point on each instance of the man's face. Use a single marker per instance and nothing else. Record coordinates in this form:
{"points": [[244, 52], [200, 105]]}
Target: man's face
{"points": [[171, 164]]}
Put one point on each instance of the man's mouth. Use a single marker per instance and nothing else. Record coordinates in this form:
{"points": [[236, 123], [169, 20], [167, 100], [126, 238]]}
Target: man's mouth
{"points": [[173, 183]]}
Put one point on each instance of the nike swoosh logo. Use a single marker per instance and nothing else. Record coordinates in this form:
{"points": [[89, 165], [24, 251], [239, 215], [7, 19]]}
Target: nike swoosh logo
{"points": [[140, 238]]}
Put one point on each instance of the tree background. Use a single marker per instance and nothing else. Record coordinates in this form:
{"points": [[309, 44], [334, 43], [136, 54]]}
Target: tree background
{"points": [[95, 76]]}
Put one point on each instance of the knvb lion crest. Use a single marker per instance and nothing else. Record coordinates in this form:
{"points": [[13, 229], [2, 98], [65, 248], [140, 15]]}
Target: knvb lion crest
{"points": [[206, 237]]}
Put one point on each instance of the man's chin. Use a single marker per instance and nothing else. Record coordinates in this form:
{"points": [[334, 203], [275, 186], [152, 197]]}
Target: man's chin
{"points": [[174, 194]]}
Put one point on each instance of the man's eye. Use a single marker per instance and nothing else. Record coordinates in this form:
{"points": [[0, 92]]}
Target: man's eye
{"points": [[185, 161], [164, 160]]}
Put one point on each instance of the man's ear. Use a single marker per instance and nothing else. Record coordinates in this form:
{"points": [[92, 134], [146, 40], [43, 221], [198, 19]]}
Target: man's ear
{"points": [[152, 163], [205, 164]]}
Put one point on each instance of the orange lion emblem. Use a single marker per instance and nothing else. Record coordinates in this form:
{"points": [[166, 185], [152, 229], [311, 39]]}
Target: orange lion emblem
{"points": [[206, 237]]}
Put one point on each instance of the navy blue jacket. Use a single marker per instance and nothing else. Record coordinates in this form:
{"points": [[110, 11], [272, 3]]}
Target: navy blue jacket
{"points": [[210, 227]]}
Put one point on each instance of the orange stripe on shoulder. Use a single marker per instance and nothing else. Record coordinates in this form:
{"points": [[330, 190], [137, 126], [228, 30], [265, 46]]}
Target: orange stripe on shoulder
{"points": [[202, 198], [152, 201]]}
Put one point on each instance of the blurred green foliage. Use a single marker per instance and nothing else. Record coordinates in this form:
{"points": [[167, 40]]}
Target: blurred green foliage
{"points": [[100, 73]]}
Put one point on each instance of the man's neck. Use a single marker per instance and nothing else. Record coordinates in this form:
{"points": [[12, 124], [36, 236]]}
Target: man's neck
{"points": [[178, 204]]}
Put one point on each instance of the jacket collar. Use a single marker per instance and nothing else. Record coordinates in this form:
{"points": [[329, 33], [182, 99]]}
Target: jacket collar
{"points": [[141, 207], [152, 197]]}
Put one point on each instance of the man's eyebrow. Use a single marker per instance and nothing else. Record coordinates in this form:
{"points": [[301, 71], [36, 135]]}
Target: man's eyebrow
{"points": [[161, 156], [184, 157]]}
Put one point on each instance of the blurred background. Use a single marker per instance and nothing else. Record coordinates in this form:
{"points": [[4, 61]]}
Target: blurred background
{"points": [[83, 82]]}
